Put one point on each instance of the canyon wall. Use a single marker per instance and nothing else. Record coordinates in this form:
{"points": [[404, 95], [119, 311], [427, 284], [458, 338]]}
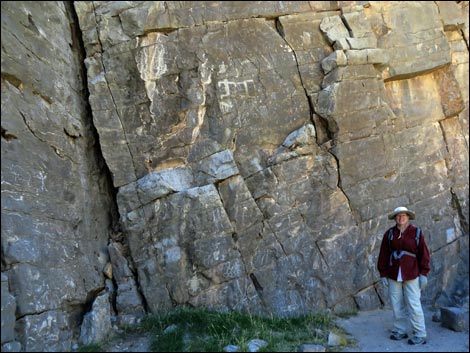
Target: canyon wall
{"points": [[232, 155]]}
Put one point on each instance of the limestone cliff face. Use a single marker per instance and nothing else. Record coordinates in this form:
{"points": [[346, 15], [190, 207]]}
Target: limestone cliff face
{"points": [[254, 151]]}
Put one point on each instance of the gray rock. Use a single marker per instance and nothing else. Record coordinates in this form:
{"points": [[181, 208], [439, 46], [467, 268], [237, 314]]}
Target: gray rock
{"points": [[454, 318], [256, 344], [311, 348], [8, 312], [199, 117], [333, 339], [12, 346], [96, 323], [337, 58], [334, 28], [54, 324], [367, 299]]}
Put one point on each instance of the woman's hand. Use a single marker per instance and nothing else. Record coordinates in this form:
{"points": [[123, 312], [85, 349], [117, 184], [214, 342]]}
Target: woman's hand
{"points": [[423, 282]]}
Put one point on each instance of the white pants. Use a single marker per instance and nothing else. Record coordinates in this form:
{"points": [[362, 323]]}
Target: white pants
{"points": [[407, 293]]}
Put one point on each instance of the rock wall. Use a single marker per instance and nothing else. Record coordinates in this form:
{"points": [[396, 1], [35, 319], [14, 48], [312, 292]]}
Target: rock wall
{"points": [[58, 203], [256, 149]]}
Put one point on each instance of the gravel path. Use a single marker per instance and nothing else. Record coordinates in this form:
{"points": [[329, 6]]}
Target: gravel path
{"points": [[371, 330]]}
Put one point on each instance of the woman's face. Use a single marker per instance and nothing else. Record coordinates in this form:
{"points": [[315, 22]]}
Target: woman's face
{"points": [[402, 218]]}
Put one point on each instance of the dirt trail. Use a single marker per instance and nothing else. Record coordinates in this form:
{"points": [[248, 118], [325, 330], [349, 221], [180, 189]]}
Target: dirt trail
{"points": [[371, 330]]}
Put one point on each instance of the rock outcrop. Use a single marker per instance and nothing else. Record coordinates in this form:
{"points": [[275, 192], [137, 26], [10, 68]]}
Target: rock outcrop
{"points": [[245, 157], [58, 204]]}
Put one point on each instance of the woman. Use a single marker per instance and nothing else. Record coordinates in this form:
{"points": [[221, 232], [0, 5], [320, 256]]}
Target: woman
{"points": [[403, 265]]}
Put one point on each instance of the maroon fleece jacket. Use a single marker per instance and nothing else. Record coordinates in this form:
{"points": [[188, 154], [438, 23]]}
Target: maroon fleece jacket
{"points": [[411, 267]]}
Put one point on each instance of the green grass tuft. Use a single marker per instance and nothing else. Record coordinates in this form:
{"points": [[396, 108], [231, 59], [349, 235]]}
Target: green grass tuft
{"points": [[187, 329], [202, 330], [94, 347]]}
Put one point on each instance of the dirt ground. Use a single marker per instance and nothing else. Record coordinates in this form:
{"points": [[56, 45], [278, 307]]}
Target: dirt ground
{"points": [[371, 330], [131, 343]]}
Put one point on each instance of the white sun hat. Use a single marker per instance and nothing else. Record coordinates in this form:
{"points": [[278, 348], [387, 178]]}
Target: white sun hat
{"points": [[401, 209]]}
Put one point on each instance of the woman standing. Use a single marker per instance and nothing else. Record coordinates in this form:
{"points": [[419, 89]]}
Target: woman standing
{"points": [[403, 264]]}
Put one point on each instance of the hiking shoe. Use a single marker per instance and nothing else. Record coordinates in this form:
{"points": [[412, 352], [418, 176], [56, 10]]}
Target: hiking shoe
{"points": [[417, 340], [396, 336]]}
